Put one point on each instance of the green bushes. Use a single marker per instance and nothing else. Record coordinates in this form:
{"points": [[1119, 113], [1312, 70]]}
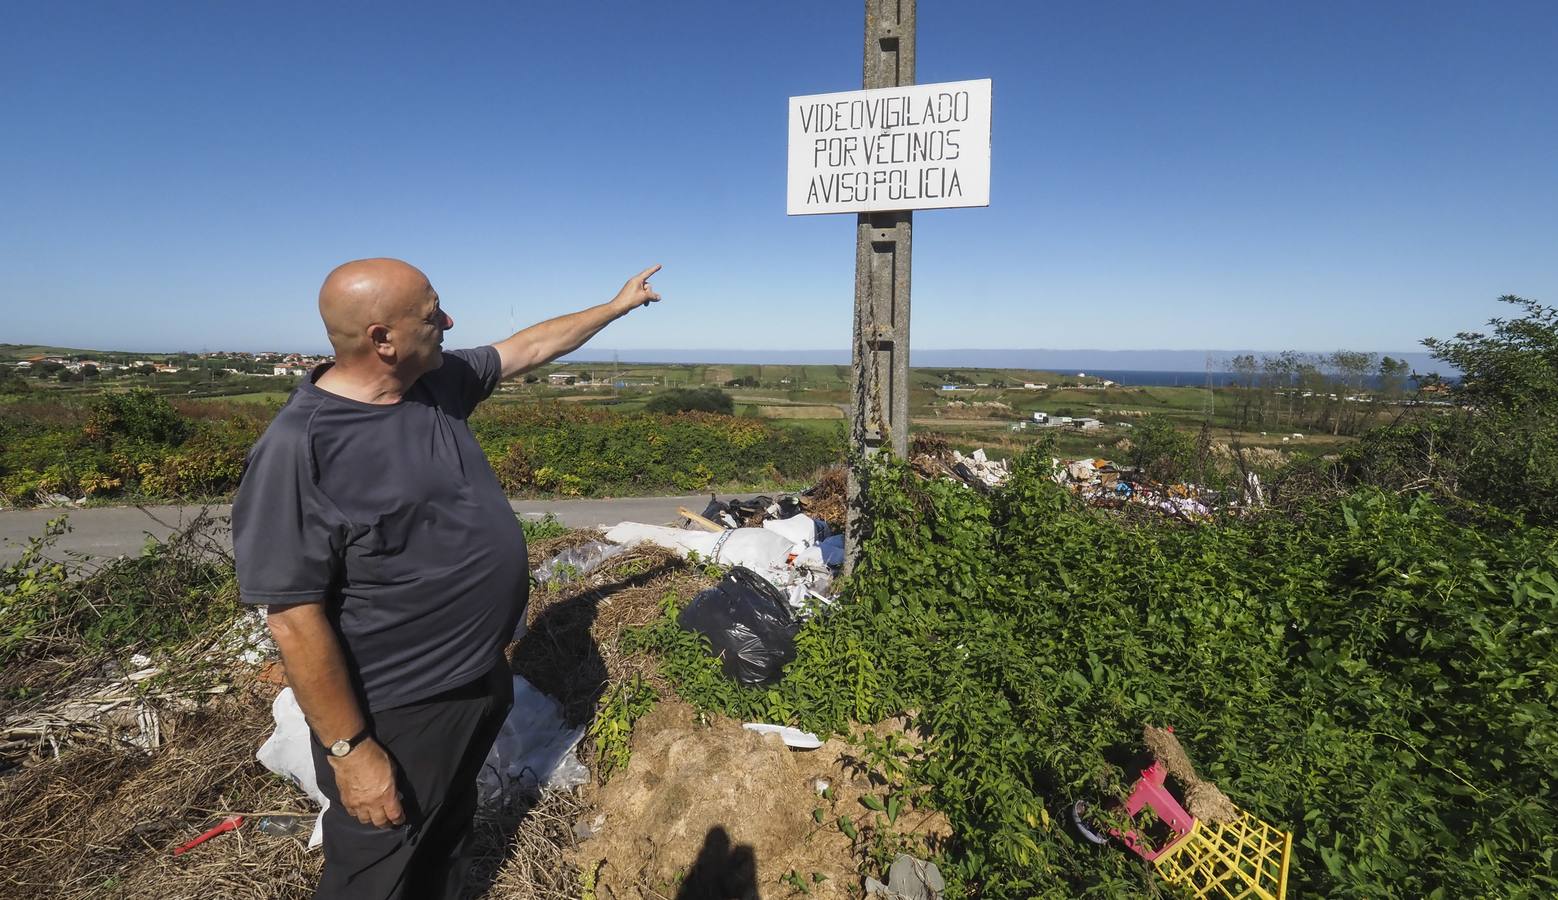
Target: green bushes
{"points": [[133, 443], [1377, 676], [137, 444], [1498, 442], [177, 590], [1162, 451], [585, 452], [678, 400]]}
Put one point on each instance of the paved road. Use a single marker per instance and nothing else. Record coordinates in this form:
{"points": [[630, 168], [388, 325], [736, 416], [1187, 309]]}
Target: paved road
{"points": [[109, 531]]}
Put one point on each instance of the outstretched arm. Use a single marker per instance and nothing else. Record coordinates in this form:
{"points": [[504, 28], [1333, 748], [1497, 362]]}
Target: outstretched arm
{"points": [[543, 342]]}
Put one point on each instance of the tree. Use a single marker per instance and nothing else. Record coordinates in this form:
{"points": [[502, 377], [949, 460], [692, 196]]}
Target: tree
{"points": [[1244, 369], [1393, 375], [1351, 370], [1499, 443], [88, 370], [1512, 371]]}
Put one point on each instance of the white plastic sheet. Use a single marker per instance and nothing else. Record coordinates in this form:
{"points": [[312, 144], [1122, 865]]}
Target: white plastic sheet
{"points": [[799, 528], [763, 551], [534, 749], [287, 752]]}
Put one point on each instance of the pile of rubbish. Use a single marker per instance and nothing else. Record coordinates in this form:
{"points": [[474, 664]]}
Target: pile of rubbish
{"points": [[781, 563], [1105, 484], [1099, 482]]}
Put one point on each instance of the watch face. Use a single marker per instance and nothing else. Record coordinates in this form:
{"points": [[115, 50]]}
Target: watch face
{"points": [[340, 748]]}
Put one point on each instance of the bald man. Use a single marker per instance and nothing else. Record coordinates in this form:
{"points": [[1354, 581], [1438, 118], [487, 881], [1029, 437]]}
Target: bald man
{"points": [[370, 524]]}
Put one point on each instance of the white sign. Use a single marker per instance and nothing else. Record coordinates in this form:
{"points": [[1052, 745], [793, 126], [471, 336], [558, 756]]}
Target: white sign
{"points": [[922, 146]]}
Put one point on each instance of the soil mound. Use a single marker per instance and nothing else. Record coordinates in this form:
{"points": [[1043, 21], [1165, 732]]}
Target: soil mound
{"points": [[712, 810]]}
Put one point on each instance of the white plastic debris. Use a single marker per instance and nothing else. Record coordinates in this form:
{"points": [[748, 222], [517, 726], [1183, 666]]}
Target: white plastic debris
{"points": [[763, 551], [977, 467], [250, 638], [1082, 470], [288, 753], [576, 562], [909, 879], [792, 737], [534, 750], [799, 528]]}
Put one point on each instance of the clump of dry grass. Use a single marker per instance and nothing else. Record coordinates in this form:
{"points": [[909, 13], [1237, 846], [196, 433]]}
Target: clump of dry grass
{"points": [[829, 495], [523, 853], [103, 822]]}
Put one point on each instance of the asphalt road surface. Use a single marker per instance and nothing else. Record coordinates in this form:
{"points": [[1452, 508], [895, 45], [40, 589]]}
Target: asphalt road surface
{"points": [[108, 531]]}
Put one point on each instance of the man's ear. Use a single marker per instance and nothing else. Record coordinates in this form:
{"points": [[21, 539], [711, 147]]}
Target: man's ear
{"points": [[379, 337]]}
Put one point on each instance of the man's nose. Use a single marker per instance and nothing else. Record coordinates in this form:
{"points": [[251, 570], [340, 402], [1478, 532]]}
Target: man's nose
{"points": [[448, 321]]}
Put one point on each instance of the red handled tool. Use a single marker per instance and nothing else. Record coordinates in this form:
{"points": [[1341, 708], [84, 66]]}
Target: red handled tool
{"points": [[231, 823]]}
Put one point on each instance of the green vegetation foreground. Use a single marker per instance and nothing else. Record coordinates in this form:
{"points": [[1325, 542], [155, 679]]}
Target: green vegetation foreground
{"points": [[1378, 675]]}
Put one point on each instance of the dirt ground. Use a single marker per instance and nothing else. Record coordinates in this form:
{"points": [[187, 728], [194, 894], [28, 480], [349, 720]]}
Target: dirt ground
{"points": [[708, 809]]}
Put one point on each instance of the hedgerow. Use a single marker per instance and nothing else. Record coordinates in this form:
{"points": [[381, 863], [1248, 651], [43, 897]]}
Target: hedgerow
{"points": [[139, 445], [565, 449], [1378, 675]]}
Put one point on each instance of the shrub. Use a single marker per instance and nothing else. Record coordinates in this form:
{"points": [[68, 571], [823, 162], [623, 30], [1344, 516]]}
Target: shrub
{"points": [[1499, 443], [590, 451], [137, 415], [1164, 452], [705, 399]]}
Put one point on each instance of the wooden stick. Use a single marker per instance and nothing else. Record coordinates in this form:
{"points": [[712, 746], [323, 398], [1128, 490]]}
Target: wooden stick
{"points": [[698, 520]]}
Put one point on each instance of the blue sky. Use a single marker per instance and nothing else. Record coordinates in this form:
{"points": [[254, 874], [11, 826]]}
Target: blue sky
{"points": [[181, 175]]}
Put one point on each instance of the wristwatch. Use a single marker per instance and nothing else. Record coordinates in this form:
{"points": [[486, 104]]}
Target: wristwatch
{"points": [[342, 747]]}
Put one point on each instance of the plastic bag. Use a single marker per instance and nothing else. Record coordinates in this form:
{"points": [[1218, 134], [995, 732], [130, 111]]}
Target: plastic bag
{"points": [[577, 562], [533, 750], [748, 624], [289, 753]]}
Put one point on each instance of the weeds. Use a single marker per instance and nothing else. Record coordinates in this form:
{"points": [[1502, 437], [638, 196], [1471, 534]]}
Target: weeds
{"points": [[1376, 674]]}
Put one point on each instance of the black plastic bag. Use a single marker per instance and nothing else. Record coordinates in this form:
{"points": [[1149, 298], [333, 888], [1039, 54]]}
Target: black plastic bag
{"points": [[748, 623]]}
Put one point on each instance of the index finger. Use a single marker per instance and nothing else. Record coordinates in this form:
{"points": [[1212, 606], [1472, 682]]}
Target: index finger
{"points": [[647, 273], [393, 811]]}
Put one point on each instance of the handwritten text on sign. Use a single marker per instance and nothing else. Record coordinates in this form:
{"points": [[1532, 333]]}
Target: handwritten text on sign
{"points": [[924, 146]]}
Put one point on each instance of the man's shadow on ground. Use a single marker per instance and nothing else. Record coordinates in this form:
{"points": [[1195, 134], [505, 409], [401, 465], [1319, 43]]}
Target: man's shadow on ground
{"points": [[721, 871], [558, 655]]}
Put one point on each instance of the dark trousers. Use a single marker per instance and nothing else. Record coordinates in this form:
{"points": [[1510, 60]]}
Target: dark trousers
{"points": [[438, 746]]}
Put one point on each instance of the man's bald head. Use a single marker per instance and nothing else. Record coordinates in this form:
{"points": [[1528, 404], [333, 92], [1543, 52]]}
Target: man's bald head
{"points": [[367, 292]]}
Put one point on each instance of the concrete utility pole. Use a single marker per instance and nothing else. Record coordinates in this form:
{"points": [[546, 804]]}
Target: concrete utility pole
{"points": [[879, 396]]}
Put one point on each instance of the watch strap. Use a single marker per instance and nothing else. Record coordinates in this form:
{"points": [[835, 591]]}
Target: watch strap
{"points": [[351, 742]]}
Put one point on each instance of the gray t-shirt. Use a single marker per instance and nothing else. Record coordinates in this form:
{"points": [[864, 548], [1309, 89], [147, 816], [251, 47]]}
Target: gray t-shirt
{"points": [[392, 516]]}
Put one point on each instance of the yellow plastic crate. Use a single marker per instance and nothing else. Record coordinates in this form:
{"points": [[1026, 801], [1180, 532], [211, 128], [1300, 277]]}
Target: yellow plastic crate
{"points": [[1244, 858]]}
